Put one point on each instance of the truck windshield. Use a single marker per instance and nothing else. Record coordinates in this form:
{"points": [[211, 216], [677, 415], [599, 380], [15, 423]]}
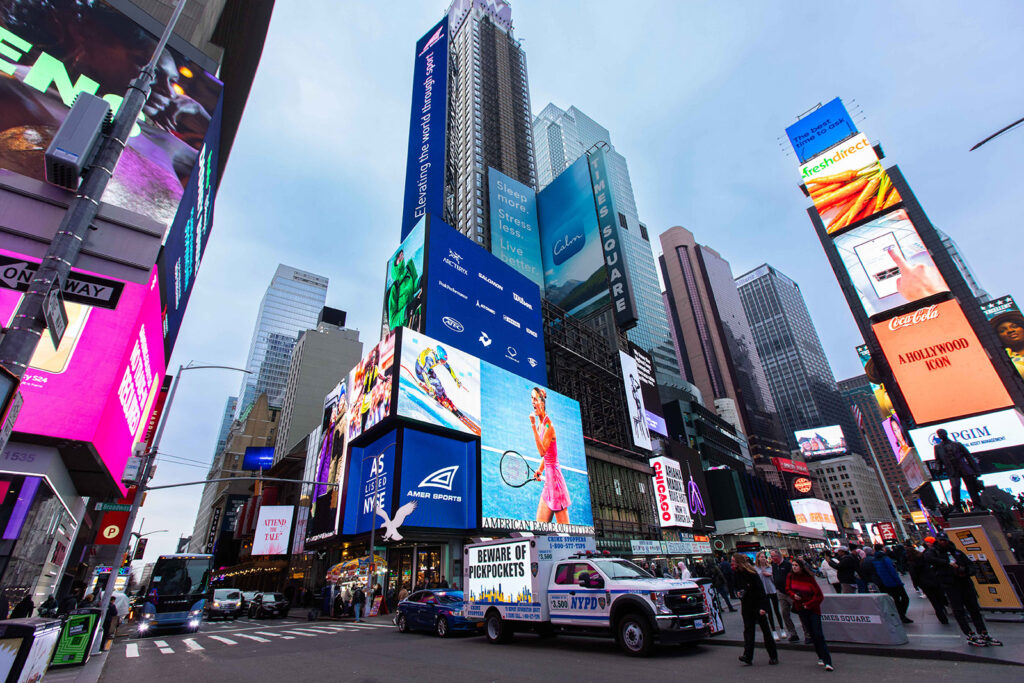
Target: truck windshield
{"points": [[622, 569]]}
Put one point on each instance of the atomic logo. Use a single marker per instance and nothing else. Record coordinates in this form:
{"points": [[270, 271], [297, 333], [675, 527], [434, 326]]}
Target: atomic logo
{"points": [[441, 479]]}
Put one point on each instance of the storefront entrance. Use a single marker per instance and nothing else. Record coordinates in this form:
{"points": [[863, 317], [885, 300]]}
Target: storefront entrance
{"points": [[416, 567]]}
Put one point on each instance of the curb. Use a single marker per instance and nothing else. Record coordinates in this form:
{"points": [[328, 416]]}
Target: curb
{"points": [[881, 651]]}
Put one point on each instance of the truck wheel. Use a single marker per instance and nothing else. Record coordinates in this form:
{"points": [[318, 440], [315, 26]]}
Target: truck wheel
{"points": [[634, 635], [497, 630]]}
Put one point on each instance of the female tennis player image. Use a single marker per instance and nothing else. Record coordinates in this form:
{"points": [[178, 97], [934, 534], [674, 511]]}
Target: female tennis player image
{"points": [[554, 498]]}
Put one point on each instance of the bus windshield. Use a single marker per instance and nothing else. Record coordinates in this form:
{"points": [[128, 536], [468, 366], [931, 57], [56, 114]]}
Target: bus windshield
{"points": [[180, 576]]}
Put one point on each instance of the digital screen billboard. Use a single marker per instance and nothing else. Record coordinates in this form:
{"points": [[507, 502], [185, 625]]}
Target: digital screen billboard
{"points": [[814, 513], [369, 387], [52, 51], [978, 434], [258, 458], [438, 384], [848, 184], [875, 379], [403, 291], [897, 440], [476, 303], [515, 230], [697, 496], [889, 264], [369, 485], [939, 363], [178, 263], [101, 383], [653, 412], [524, 422], [439, 478], [1011, 482], [670, 493], [1008, 324], [635, 401], [424, 168], [824, 127], [814, 443], [575, 278], [273, 529]]}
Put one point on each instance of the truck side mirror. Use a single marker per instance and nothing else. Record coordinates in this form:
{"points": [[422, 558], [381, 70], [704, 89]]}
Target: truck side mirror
{"points": [[591, 580]]}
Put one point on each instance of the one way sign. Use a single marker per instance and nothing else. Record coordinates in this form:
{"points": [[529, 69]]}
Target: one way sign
{"points": [[79, 287]]}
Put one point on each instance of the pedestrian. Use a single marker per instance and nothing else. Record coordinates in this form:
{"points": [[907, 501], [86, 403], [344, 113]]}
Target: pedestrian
{"points": [[49, 607], [780, 569], [70, 603], [718, 581], [404, 593], [358, 602], [754, 608], [803, 589], [954, 570], [830, 572], [867, 570], [730, 577], [444, 582], [924, 578], [764, 570], [23, 609], [684, 571], [846, 569], [110, 621], [889, 581], [960, 466]]}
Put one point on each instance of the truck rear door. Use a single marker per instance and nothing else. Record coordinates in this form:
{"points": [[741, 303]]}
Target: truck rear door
{"points": [[573, 604]]}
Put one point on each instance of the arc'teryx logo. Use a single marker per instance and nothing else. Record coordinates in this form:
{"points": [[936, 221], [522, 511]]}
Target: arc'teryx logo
{"points": [[443, 478], [432, 41]]}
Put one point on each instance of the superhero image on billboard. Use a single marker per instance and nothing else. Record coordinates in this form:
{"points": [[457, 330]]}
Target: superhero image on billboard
{"points": [[53, 50], [369, 387], [1008, 324], [403, 295]]}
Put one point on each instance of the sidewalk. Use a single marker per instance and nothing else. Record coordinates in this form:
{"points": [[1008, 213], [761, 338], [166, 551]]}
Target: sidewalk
{"points": [[928, 638]]}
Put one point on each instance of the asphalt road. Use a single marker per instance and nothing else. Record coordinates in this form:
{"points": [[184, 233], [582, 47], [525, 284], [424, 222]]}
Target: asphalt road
{"points": [[291, 650]]}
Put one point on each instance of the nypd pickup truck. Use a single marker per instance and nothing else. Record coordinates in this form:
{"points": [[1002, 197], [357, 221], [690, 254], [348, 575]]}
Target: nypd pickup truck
{"points": [[557, 584]]}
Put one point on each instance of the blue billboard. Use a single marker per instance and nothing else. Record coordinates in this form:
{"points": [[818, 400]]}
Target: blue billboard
{"points": [[533, 468], [368, 486], [178, 262], [515, 232], [424, 168], [438, 481], [824, 127], [478, 304], [258, 458], [570, 242], [608, 220]]}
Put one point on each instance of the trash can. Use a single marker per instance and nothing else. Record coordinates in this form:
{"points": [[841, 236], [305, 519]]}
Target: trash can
{"points": [[76, 637], [26, 646]]}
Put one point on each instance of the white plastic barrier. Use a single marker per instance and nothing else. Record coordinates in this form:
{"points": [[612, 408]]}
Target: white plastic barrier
{"points": [[862, 618]]}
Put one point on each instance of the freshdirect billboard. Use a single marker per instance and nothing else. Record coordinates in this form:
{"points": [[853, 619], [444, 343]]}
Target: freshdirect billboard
{"points": [[52, 51], [1008, 324], [825, 127], [424, 168], [939, 364], [515, 230]]}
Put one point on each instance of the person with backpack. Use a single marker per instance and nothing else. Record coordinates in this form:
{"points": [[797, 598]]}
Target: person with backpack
{"points": [[890, 582], [954, 570]]}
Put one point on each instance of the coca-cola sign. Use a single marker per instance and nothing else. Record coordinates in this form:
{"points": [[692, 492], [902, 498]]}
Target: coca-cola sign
{"points": [[919, 316]]}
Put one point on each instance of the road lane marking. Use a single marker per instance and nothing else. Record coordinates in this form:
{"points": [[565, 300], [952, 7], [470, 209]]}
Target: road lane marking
{"points": [[256, 638], [192, 645], [299, 633], [222, 639], [132, 650], [165, 649], [276, 635], [364, 623]]}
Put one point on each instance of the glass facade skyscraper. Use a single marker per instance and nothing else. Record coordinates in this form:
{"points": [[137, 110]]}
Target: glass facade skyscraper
{"points": [[562, 137], [794, 362], [289, 307]]}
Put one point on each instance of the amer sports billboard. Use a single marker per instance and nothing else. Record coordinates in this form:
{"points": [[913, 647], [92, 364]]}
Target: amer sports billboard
{"points": [[814, 443], [825, 127], [481, 305], [515, 230], [273, 530], [424, 166], [51, 51], [814, 513], [575, 278], [1008, 324], [438, 481], [888, 263], [939, 364]]}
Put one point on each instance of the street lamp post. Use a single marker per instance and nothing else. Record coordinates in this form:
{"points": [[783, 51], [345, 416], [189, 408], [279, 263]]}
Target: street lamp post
{"points": [[373, 514]]}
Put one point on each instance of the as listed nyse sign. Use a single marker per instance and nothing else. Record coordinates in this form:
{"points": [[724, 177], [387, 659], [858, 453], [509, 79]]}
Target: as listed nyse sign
{"points": [[614, 261]]}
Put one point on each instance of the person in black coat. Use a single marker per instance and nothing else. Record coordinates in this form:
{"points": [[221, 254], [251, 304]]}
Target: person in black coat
{"points": [[754, 608], [23, 609]]}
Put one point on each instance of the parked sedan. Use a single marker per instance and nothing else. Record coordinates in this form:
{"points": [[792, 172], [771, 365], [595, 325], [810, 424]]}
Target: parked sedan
{"points": [[268, 605], [439, 611]]}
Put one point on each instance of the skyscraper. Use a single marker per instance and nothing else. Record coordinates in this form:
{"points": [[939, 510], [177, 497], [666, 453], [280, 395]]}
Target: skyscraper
{"points": [[290, 306], [799, 376], [562, 137], [715, 340], [960, 261], [488, 112], [230, 406]]}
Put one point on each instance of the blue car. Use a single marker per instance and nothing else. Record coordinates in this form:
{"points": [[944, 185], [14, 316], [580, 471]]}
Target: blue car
{"points": [[438, 610]]}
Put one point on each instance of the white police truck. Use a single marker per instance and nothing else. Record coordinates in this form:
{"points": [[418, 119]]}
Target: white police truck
{"points": [[558, 584]]}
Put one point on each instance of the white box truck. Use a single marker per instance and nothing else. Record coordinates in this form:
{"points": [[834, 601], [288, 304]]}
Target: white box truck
{"points": [[558, 584]]}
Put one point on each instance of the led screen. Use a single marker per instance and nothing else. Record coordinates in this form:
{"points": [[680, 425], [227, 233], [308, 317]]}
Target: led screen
{"points": [[939, 364], [478, 304], [258, 458], [978, 434], [101, 383], [635, 401], [814, 513], [439, 384], [821, 441], [273, 529], [653, 412], [889, 264], [897, 440], [332, 438], [369, 485], [848, 184], [1011, 482], [670, 493], [1008, 324], [52, 51], [822, 128], [515, 231], [369, 387], [403, 292], [574, 272], [438, 481]]}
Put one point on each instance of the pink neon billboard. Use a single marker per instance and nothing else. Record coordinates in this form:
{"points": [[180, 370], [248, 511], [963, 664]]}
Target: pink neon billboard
{"points": [[100, 384]]}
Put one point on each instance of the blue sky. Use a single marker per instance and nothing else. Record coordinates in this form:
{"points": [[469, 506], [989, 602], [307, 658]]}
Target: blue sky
{"points": [[696, 95]]}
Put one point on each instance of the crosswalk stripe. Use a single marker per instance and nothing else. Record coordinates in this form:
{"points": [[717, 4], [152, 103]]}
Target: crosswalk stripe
{"points": [[363, 624], [192, 645], [276, 635], [256, 638], [132, 650], [319, 629], [299, 633], [164, 647], [222, 639]]}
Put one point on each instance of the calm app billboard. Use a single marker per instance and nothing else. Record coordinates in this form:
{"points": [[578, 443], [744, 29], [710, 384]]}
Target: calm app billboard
{"points": [[424, 168], [476, 303], [825, 127], [570, 242], [515, 232]]}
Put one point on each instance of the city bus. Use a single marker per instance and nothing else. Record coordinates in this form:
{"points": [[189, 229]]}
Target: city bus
{"points": [[176, 594]]}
